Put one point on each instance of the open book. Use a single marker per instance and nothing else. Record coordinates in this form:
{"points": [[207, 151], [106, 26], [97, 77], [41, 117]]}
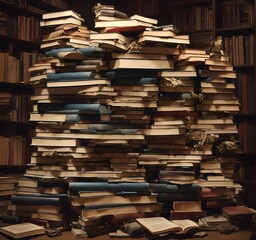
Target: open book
{"points": [[160, 225]]}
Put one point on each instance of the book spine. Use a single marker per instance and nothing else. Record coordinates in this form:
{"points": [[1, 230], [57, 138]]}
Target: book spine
{"points": [[103, 186], [30, 200], [70, 76], [93, 108]]}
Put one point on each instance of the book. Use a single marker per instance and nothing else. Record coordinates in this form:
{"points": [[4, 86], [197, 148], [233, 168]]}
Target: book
{"points": [[160, 225], [141, 64], [104, 186], [139, 208], [110, 36], [150, 39], [237, 211], [22, 230], [187, 206], [121, 24], [59, 21], [73, 108], [103, 200], [60, 14], [143, 19]]}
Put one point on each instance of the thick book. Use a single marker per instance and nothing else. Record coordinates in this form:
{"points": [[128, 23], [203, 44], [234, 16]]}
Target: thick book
{"points": [[59, 21], [141, 64], [93, 108], [161, 225], [122, 23], [104, 186], [60, 14], [22, 230], [140, 208], [70, 76], [35, 200], [104, 200]]}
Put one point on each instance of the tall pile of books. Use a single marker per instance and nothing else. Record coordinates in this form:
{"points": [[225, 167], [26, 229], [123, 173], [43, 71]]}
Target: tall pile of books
{"points": [[121, 130], [215, 119]]}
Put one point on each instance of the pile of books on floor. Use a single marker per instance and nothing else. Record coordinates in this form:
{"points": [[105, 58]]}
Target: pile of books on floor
{"points": [[122, 130]]}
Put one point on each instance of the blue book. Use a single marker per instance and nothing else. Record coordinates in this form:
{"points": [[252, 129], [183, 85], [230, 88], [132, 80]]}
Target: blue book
{"points": [[91, 51], [35, 200], [54, 52], [70, 76], [104, 186], [89, 108], [171, 188]]}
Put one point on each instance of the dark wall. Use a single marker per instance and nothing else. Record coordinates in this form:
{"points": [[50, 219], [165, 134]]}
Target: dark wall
{"points": [[85, 8]]}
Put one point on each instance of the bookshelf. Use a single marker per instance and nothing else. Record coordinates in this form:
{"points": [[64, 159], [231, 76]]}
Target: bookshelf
{"points": [[19, 37]]}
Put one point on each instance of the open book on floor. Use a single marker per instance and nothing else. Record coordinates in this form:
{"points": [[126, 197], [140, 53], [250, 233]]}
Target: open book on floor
{"points": [[161, 225]]}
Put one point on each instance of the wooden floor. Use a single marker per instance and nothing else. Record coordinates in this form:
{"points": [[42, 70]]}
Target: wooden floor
{"points": [[213, 235]]}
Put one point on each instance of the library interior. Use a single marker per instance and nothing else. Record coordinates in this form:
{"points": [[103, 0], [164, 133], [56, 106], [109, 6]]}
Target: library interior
{"points": [[127, 119]]}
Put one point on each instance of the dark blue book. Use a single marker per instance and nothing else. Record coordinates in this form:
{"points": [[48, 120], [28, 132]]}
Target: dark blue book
{"points": [[91, 51], [134, 81], [70, 76], [132, 73], [35, 200], [104, 186], [173, 188], [89, 108], [54, 52]]}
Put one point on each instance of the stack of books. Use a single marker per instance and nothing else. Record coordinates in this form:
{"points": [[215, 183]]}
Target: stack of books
{"points": [[108, 19], [216, 109], [108, 201], [67, 30]]}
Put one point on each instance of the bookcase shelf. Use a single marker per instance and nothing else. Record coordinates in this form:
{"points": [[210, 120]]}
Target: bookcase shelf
{"points": [[10, 128], [237, 30], [20, 44], [17, 88]]}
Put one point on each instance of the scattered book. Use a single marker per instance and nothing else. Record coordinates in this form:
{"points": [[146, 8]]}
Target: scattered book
{"points": [[22, 230]]}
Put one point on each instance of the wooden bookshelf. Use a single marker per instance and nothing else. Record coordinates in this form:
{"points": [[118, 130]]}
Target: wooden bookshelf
{"points": [[18, 52]]}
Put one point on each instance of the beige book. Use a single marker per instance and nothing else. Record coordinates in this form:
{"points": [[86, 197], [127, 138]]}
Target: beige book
{"points": [[100, 200], [90, 136], [22, 230], [146, 39], [121, 23], [141, 208], [178, 74], [139, 56], [142, 64], [144, 19], [61, 14], [187, 206], [54, 142], [110, 36], [63, 20]]}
